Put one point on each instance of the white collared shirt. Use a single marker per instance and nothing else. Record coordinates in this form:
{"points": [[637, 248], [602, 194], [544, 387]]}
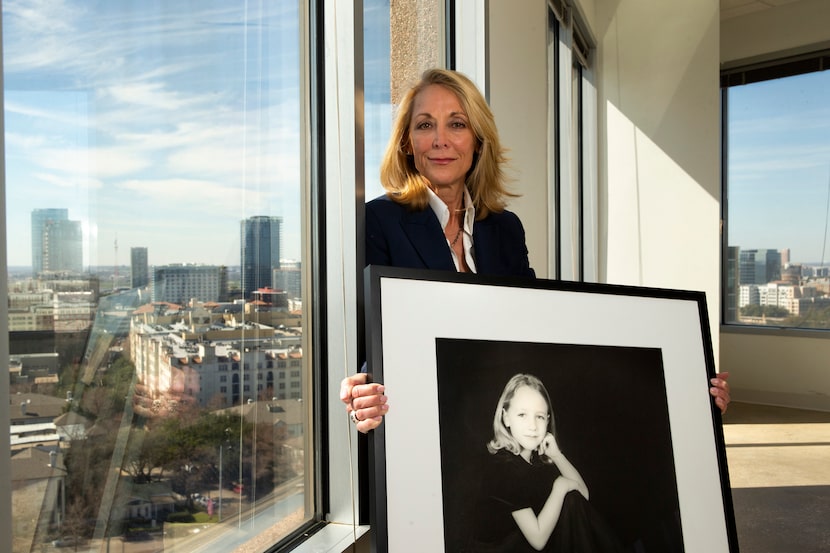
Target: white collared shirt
{"points": [[443, 213]]}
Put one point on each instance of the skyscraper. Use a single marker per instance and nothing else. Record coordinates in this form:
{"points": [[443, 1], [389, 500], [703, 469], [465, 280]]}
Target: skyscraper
{"points": [[40, 217], [759, 266], [63, 247], [57, 242], [139, 269], [259, 251]]}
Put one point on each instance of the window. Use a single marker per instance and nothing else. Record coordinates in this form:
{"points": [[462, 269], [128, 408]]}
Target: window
{"points": [[777, 194], [572, 182], [155, 166]]}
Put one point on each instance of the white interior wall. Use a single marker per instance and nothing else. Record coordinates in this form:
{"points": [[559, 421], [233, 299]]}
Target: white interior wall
{"points": [[517, 75], [783, 368], [659, 144]]}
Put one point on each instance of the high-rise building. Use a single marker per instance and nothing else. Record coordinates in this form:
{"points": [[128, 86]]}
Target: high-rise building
{"points": [[181, 283], [289, 277], [39, 219], [62, 247], [259, 252], [139, 269], [759, 266]]}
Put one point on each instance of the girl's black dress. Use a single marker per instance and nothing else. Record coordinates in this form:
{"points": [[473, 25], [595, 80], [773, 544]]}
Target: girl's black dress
{"points": [[511, 484]]}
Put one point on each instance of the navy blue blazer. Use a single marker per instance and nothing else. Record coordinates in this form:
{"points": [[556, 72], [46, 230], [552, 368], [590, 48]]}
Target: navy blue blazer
{"points": [[399, 237]]}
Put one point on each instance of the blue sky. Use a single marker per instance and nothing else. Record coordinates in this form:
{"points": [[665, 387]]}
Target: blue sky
{"points": [[163, 124], [779, 166], [156, 123]]}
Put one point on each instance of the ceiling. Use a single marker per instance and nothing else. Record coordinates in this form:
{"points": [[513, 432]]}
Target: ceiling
{"points": [[735, 8]]}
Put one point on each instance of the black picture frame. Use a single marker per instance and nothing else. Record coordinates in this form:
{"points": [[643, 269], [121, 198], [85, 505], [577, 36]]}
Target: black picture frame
{"points": [[627, 371]]}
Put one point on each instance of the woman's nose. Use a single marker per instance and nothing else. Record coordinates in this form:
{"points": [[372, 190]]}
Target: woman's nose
{"points": [[439, 140]]}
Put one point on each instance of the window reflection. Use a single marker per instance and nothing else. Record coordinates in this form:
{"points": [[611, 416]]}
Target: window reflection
{"points": [[154, 214]]}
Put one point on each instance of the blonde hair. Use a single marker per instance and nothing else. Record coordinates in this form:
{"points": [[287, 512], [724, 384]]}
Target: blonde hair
{"points": [[486, 180], [502, 437]]}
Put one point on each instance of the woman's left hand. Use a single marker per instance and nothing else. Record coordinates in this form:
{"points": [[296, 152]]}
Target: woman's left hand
{"points": [[720, 391]]}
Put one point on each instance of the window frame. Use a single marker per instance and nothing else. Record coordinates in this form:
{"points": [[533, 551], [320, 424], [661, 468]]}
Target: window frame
{"points": [[741, 74], [572, 152]]}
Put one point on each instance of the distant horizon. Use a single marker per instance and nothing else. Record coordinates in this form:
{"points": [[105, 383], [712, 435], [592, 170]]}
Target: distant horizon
{"points": [[127, 266]]}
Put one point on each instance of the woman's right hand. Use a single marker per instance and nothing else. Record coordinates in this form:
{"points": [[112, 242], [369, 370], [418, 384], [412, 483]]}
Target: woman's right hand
{"points": [[366, 400]]}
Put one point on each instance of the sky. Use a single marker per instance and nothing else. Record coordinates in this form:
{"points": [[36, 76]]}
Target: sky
{"points": [[779, 166], [157, 124], [164, 124]]}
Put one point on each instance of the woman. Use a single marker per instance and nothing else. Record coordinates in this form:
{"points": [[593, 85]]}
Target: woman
{"points": [[443, 173], [446, 191]]}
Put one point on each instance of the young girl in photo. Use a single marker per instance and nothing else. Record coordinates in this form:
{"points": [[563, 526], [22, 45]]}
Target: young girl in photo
{"points": [[534, 498]]}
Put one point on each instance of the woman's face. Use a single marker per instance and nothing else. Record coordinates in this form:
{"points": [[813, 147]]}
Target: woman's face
{"points": [[443, 144], [527, 418]]}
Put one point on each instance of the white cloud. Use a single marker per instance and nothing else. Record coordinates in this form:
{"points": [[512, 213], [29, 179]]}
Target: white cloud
{"points": [[70, 181], [181, 195], [98, 163]]}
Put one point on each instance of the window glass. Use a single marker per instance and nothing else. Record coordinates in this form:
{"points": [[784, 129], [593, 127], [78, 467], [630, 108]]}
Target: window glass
{"points": [[153, 191], [378, 110], [778, 202], [401, 40]]}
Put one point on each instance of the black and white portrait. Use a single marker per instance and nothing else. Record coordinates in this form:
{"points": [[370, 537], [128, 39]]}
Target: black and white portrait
{"points": [[600, 410]]}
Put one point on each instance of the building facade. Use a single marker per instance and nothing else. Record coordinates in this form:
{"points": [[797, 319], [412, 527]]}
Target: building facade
{"points": [[180, 283], [173, 366], [289, 277]]}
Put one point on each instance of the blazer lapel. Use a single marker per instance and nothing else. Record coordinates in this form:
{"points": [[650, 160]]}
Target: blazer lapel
{"points": [[424, 232], [485, 240]]}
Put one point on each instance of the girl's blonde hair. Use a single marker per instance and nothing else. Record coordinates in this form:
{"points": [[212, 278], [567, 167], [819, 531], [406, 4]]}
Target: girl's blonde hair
{"points": [[502, 438], [485, 181]]}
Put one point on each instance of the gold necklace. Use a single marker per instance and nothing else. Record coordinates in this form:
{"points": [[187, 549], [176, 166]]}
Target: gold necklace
{"points": [[457, 236]]}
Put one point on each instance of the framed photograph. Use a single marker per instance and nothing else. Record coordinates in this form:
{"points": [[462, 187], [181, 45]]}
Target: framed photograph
{"points": [[515, 399]]}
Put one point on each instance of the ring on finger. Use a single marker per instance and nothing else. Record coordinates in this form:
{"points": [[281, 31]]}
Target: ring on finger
{"points": [[353, 416]]}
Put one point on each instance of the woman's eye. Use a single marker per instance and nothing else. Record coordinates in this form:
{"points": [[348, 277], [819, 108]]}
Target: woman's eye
{"points": [[423, 125], [459, 124]]}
